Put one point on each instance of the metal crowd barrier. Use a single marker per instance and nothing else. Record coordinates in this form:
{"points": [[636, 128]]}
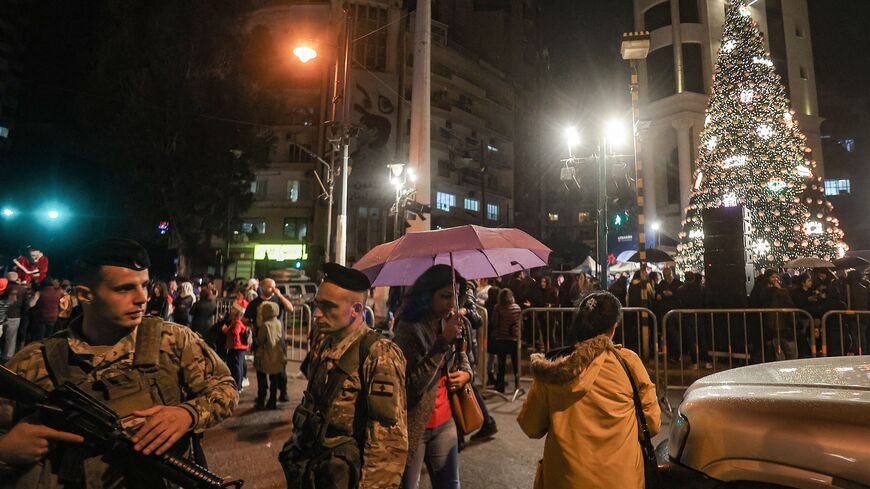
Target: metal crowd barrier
{"points": [[857, 334], [297, 332], [296, 327], [544, 329], [743, 336], [224, 304]]}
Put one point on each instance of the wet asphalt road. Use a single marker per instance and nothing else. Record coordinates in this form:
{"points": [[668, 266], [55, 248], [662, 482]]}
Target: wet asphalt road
{"points": [[246, 446]]}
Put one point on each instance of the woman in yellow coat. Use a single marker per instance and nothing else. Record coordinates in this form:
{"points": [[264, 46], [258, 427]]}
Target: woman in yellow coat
{"points": [[581, 400]]}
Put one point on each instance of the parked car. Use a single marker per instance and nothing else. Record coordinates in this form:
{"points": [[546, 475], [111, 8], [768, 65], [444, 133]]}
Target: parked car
{"points": [[299, 292], [791, 424]]}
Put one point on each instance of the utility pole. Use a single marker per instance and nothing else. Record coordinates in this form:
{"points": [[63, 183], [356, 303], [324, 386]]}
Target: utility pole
{"points": [[341, 232], [635, 47], [483, 172], [602, 213]]}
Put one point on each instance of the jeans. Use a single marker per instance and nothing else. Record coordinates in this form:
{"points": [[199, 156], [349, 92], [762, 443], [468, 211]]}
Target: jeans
{"points": [[236, 362], [439, 448], [10, 337], [506, 347]]}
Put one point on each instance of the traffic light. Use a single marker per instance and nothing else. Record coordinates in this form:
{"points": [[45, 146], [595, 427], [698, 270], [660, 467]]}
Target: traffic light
{"points": [[620, 219]]}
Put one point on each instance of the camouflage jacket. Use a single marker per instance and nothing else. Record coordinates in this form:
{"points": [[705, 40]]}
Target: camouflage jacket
{"points": [[386, 445], [209, 391]]}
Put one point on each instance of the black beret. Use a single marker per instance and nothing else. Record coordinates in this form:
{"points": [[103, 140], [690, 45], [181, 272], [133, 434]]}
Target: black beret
{"points": [[117, 252], [346, 278]]}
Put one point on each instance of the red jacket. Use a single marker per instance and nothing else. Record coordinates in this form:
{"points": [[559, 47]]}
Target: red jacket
{"points": [[41, 265], [234, 332]]}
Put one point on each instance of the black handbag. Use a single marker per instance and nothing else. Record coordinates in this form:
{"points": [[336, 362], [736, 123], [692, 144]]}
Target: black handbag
{"points": [[651, 475]]}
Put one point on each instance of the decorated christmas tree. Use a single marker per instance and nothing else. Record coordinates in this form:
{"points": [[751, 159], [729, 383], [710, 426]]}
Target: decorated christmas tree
{"points": [[753, 153]]}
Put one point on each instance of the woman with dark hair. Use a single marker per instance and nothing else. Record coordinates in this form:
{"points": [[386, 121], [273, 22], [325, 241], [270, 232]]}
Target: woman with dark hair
{"points": [[158, 303], [506, 324], [581, 400], [429, 334]]}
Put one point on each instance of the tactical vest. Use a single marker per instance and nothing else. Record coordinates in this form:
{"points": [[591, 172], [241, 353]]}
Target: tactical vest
{"points": [[309, 461], [148, 383]]}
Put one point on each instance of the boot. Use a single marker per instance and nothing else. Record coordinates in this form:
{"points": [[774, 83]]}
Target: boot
{"points": [[487, 431], [284, 397], [272, 404], [259, 404]]}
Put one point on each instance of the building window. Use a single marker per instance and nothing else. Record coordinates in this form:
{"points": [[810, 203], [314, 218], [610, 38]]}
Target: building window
{"points": [[838, 187], [297, 153], [293, 190], [296, 228], [253, 188], [660, 69], [369, 30], [444, 201], [689, 12], [803, 72], [552, 216], [582, 216], [472, 205], [658, 16], [259, 188], [492, 212], [693, 69], [848, 144], [253, 227]]}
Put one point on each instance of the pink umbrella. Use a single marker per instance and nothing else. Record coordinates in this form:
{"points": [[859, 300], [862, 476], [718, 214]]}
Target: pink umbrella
{"points": [[474, 251]]}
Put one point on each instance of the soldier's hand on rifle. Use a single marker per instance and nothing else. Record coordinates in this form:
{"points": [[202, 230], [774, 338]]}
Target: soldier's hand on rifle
{"points": [[165, 425], [28, 442]]}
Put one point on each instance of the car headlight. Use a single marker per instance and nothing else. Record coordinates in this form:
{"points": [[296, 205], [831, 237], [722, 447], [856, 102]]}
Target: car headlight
{"points": [[679, 435]]}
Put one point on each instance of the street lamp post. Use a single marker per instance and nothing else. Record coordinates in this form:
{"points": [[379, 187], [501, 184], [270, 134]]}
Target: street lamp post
{"points": [[340, 85], [635, 47], [610, 136], [399, 175]]}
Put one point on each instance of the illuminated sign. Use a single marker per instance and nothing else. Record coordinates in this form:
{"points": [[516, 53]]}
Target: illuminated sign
{"points": [[280, 252]]}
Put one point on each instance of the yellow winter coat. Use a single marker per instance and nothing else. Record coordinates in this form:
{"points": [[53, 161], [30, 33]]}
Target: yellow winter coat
{"points": [[583, 403]]}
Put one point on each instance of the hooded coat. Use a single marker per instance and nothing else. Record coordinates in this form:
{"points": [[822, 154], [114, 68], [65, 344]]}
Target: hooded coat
{"points": [[582, 402], [269, 354]]}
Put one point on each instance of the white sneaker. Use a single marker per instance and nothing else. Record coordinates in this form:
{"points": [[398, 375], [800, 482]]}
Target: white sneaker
{"points": [[245, 382]]}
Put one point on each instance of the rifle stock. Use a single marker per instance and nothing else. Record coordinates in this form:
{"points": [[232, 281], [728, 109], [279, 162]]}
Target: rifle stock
{"points": [[68, 408]]}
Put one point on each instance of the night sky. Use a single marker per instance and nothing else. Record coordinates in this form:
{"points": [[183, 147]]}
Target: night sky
{"points": [[582, 37]]}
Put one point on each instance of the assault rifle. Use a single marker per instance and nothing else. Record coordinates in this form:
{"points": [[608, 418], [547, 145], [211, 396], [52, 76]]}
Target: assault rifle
{"points": [[68, 408]]}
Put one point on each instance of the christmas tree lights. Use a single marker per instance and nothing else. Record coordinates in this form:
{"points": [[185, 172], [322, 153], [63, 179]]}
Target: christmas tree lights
{"points": [[753, 153]]}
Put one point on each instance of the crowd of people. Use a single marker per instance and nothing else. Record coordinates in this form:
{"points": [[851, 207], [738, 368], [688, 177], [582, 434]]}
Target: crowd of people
{"points": [[380, 404]]}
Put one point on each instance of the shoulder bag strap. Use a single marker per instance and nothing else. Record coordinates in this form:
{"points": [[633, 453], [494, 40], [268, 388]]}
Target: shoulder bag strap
{"points": [[644, 435]]}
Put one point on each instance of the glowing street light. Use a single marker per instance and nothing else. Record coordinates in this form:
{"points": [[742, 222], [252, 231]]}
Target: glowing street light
{"points": [[305, 53], [655, 226], [572, 136], [615, 133], [7, 212], [53, 214]]}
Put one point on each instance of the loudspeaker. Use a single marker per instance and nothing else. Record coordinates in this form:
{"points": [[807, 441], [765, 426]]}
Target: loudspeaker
{"points": [[728, 270]]}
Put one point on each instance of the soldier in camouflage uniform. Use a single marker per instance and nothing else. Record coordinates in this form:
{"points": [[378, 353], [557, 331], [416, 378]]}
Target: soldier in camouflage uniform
{"points": [[350, 430], [158, 375]]}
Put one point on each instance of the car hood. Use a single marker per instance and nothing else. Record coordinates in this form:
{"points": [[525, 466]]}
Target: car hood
{"points": [[835, 372]]}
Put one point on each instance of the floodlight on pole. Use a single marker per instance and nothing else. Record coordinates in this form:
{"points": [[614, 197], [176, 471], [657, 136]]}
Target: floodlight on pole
{"points": [[572, 136], [655, 226], [53, 214], [7, 212], [614, 132]]}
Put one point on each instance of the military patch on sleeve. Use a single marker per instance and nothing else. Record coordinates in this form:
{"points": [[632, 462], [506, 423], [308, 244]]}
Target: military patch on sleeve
{"points": [[382, 400], [383, 389]]}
